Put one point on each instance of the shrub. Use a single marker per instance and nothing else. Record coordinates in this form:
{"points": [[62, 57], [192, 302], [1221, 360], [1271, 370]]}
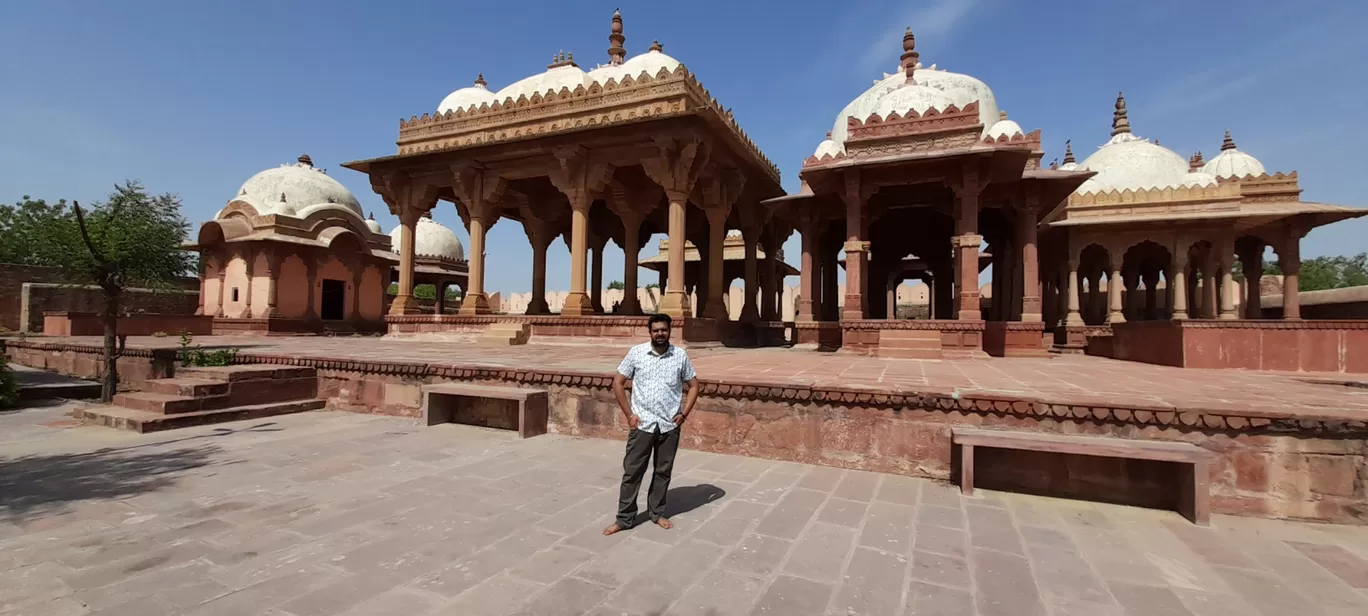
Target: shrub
{"points": [[9, 384]]}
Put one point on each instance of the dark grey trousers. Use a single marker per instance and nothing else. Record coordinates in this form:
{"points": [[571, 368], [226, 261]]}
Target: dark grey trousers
{"points": [[641, 447]]}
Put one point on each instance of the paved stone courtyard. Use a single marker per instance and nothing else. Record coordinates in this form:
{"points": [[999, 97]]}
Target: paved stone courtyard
{"points": [[336, 513]]}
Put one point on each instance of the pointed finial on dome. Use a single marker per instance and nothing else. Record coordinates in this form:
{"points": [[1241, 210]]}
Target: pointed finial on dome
{"points": [[1120, 123], [305, 160], [1054, 164], [909, 55], [1002, 115], [370, 215], [656, 46], [479, 80], [616, 52], [1195, 163], [1228, 143], [1068, 152], [828, 135], [428, 214], [282, 197], [1156, 141]]}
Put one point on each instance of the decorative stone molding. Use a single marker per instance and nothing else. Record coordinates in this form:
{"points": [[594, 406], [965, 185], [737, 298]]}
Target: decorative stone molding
{"points": [[1223, 191], [913, 123]]}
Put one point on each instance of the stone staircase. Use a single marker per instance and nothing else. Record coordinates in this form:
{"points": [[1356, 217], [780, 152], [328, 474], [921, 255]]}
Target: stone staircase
{"points": [[910, 344], [506, 334], [199, 396]]}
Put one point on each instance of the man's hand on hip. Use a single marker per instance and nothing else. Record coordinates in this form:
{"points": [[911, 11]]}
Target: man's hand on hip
{"points": [[632, 422], [679, 418]]}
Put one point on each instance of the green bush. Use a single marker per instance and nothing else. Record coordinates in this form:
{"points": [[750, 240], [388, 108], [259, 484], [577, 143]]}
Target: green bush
{"points": [[9, 384]]}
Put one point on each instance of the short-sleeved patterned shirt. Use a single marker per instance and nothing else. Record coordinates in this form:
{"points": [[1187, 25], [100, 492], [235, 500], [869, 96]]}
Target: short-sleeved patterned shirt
{"points": [[657, 384]]}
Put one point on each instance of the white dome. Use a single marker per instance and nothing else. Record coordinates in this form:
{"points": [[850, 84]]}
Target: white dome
{"points": [[949, 88], [1233, 163], [564, 76], [650, 63], [432, 240], [1090, 185], [1068, 167], [468, 97], [1129, 162], [1199, 178], [909, 98], [1002, 128], [828, 147], [291, 189], [374, 226]]}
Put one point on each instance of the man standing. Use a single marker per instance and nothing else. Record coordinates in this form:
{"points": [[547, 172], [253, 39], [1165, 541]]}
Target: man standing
{"points": [[658, 371]]}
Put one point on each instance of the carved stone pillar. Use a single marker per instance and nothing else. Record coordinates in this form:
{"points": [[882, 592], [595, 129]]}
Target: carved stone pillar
{"points": [[1225, 261], [578, 303], [1031, 311], [966, 243], [1178, 285], [540, 238], [311, 269], [358, 271], [831, 302], [715, 306], [1114, 287], [769, 278], [223, 260], [249, 256], [596, 279], [891, 299], [809, 296], [273, 260], [631, 304], [676, 167], [676, 302], [1251, 263], [749, 310], [1073, 318], [1289, 261], [1151, 278], [856, 249], [441, 297]]}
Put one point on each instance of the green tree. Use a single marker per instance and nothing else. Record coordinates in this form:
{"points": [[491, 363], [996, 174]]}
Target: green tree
{"points": [[131, 240], [616, 285], [22, 227], [1328, 272]]}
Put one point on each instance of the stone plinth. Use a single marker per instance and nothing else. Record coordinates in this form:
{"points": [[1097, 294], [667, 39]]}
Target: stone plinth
{"points": [[959, 339], [1014, 339], [90, 324], [552, 328], [1294, 346]]}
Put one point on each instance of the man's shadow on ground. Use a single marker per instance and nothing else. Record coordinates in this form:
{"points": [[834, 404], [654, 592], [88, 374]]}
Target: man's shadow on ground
{"points": [[681, 500]]}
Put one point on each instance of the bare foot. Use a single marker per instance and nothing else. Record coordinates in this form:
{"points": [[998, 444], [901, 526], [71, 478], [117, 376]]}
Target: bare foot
{"points": [[664, 523], [612, 528]]}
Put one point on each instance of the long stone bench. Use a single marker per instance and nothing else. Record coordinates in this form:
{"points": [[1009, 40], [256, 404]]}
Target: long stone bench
{"points": [[512, 408], [1194, 500]]}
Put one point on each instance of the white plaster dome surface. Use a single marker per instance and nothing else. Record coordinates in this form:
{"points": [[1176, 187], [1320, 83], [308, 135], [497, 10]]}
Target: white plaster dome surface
{"points": [[432, 239], [1233, 163], [553, 79], [955, 88], [290, 190], [911, 98], [1129, 162], [1004, 128], [828, 148], [374, 226], [465, 98], [650, 63], [1199, 178]]}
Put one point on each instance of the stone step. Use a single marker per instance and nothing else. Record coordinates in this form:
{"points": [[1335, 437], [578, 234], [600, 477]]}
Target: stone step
{"points": [[910, 353], [506, 334], [161, 404], [245, 372], [909, 340], [143, 421], [186, 386]]}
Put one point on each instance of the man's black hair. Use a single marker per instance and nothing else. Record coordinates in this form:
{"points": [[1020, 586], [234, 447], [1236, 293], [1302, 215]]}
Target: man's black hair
{"points": [[658, 318]]}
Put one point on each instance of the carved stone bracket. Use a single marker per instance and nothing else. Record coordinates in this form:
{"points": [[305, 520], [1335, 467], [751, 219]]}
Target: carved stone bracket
{"points": [[678, 164]]}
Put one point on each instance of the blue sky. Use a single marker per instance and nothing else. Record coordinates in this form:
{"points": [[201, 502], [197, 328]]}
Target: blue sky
{"points": [[195, 97]]}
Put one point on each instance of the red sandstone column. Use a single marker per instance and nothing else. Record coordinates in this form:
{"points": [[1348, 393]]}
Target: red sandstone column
{"points": [[856, 250], [1289, 261], [750, 311], [632, 232], [715, 307], [441, 297], [809, 297], [676, 303], [475, 301], [1031, 311], [1114, 287], [249, 257], [596, 290], [311, 266], [1227, 285], [272, 282], [578, 303], [540, 239], [1209, 287], [1251, 262], [967, 242], [769, 280], [1177, 283], [403, 299], [223, 279], [892, 300], [831, 302]]}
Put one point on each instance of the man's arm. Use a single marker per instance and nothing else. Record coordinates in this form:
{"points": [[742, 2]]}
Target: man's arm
{"points": [[690, 397], [620, 392]]}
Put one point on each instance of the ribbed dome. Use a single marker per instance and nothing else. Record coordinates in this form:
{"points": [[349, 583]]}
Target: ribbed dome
{"points": [[650, 63], [1232, 163], [432, 240], [553, 79], [296, 190], [1129, 162], [468, 97], [930, 87], [374, 226], [909, 98]]}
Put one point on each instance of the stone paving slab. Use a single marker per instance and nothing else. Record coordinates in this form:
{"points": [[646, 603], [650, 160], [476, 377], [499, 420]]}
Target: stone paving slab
{"points": [[334, 513], [1067, 379]]}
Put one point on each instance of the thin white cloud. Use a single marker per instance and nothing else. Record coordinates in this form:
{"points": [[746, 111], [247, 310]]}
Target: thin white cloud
{"points": [[933, 20]]}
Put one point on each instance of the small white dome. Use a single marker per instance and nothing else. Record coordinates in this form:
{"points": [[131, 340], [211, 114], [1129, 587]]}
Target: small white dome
{"points": [[564, 76], [1232, 163], [468, 97], [828, 147], [374, 226], [432, 240], [1068, 167], [291, 189], [650, 63], [911, 98], [1129, 162], [1090, 185], [1199, 178], [1002, 128]]}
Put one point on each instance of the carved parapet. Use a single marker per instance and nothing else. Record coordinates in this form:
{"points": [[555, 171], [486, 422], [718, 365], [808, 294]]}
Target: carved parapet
{"points": [[1264, 188], [896, 124], [1031, 140], [1148, 195], [631, 99]]}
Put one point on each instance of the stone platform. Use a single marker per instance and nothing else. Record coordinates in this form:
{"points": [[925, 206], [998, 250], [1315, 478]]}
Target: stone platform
{"points": [[1290, 444]]}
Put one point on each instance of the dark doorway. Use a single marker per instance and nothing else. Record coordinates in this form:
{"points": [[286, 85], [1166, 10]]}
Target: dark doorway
{"points": [[334, 300]]}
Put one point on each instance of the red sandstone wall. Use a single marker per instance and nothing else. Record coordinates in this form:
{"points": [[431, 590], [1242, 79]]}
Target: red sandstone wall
{"points": [[76, 299], [1316, 346], [84, 324]]}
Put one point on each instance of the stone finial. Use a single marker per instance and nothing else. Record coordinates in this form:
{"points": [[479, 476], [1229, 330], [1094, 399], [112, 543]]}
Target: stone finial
{"points": [[305, 160], [617, 54], [656, 46], [282, 197], [1195, 163], [909, 55], [1054, 164], [1002, 115], [828, 135], [370, 215], [1120, 123], [1068, 152], [480, 80], [1227, 143]]}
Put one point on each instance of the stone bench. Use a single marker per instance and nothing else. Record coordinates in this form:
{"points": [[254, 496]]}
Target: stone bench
{"points": [[1194, 500], [510, 408]]}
